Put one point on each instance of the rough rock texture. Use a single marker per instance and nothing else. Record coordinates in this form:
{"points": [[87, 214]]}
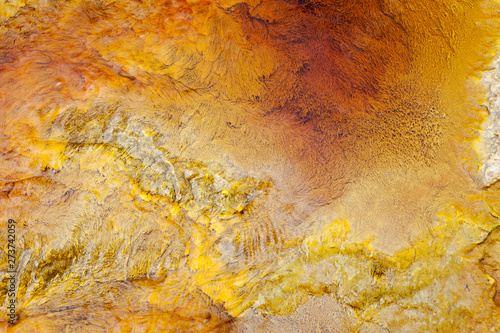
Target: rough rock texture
{"points": [[286, 166], [491, 151]]}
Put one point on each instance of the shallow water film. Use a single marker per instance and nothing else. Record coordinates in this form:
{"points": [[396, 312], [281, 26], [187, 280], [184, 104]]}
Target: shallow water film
{"points": [[249, 166]]}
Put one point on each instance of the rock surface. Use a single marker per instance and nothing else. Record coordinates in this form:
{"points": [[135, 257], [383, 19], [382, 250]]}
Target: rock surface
{"points": [[232, 166]]}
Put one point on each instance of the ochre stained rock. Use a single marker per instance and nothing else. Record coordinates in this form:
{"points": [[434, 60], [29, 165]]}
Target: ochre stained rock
{"points": [[231, 166]]}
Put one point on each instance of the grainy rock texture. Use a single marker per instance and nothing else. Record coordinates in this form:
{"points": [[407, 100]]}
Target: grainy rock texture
{"points": [[491, 151], [262, 166]]}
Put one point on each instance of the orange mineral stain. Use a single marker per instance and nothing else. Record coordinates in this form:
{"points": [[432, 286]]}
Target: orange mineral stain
{"points": [[226, 166]]}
